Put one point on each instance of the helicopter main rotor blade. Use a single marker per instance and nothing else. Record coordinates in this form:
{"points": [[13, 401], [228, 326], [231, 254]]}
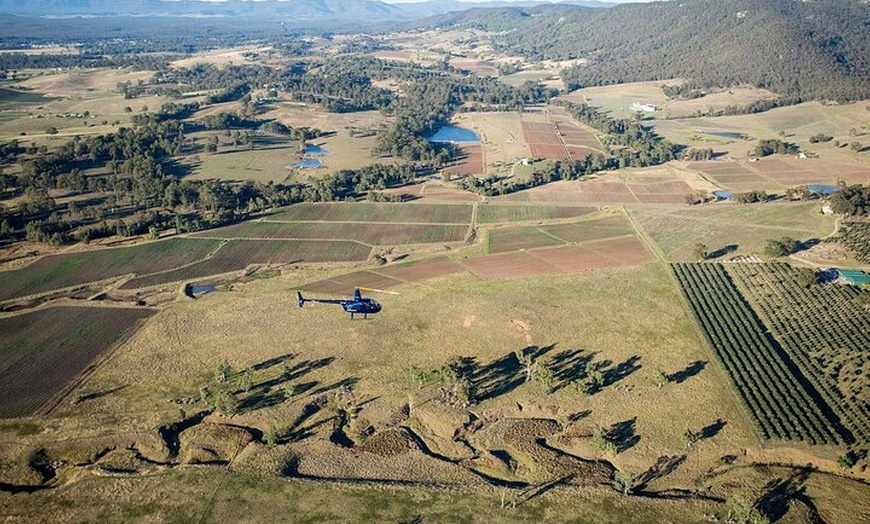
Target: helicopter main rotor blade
{"points": [[378, 290]]}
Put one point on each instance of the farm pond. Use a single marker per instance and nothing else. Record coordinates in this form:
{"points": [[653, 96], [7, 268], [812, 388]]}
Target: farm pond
{"points": [[454, 134], [308, 163], [727, 134], [314, 150]]}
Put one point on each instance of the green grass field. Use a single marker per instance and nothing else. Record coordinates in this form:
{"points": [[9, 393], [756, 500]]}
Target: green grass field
{"points": [[238, 254], [497, 213], [738, 229], [269, 161], [64, 270], [367, 233], [355, 212]]}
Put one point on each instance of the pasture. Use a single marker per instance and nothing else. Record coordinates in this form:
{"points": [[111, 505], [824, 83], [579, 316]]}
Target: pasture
{"points": [[268, 161], [42, 352], [56, 94], [616, 100], [729, 229], [845, 123]]}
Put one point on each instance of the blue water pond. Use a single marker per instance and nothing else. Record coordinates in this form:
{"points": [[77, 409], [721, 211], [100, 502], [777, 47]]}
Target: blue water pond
{"points": [[727, 134], [313, 150], [454, 134], [308, 163], [822, 189]]}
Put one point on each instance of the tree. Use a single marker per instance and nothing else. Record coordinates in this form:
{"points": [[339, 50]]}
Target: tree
{"points": [[601, 442], [660, 378], [846, 461], [690, 437], [807, 277], [624, 482], [780, 247], [741, 511], [700, 251]]}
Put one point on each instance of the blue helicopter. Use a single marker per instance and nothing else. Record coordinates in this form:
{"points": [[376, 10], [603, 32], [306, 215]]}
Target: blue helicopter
{"points": [[359, 304]]}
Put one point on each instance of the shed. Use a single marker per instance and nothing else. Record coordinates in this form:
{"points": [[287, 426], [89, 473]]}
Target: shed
{"points": [[723, 194], [854, 277]]}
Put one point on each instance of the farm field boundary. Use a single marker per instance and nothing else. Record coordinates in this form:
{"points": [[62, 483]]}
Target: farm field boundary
{"points": [[780, 399], [237, 255], [54, 272], [43, 351], [359, 212], [823, 328], [371, 233]]}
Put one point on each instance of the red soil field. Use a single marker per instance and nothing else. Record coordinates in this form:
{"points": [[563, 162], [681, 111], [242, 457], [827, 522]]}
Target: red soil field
{"points": [[543, 141], [470, 161], [343, 285], [576, 258], [386, 277], [421, 270], [627, 250], [555, 152], [42, 352], [509, 265]]}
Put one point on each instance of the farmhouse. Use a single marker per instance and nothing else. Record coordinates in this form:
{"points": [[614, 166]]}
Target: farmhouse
{"points": [[643, 108]]}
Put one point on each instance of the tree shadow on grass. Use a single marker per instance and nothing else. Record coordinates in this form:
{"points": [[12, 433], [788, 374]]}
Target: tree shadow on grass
{"points": [[503, 375], [569, 366], [98, 394], [274, 391], [778, 494], [690, 371], [713, 429], [266, 364], [623, 434], [620, 371], [722, 251], [664, 466]]}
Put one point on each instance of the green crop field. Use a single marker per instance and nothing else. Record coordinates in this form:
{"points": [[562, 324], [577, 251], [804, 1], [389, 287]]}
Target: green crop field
{"points": [[367, 233], [13, 98], [497, 213], [503, 240], [824, 329], [355, 212], [268, 161], [774, 392], [236, 255], [65, 270], [41, 352], [590, 230]]}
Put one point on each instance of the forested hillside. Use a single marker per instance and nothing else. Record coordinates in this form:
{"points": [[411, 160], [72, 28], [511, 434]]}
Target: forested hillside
{"points": [[807, 50]]}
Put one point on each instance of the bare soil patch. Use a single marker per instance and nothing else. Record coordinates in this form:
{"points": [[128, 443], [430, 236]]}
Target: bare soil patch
{"points": [[509, 265]]}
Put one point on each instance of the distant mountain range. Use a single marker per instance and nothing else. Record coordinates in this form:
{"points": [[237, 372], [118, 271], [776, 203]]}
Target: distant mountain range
{"points": [[288, 11]]}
